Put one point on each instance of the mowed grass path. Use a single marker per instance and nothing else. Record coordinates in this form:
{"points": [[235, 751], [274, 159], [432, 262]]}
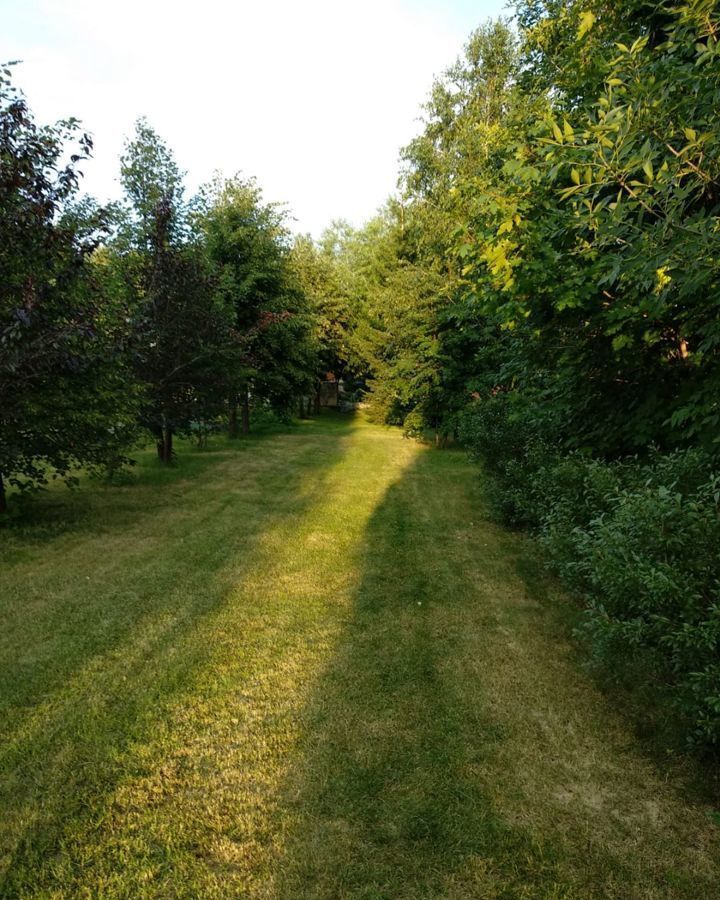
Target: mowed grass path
{"points": [[310, 666]]}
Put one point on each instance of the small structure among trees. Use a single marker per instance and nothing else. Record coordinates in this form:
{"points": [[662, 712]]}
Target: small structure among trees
{"points": [[329, 391]]}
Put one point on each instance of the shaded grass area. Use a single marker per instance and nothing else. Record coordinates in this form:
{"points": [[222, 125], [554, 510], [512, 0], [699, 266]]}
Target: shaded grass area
{"points": [[310, 666]]}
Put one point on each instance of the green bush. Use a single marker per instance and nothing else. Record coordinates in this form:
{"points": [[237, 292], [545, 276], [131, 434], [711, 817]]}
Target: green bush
{"points": [[650, 569], [414, 425], [513, 438], [638, 539], [384, 407]]}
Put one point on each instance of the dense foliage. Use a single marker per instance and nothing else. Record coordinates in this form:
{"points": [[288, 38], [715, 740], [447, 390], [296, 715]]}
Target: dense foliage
{"points": [[637, 538], [179, 325], [275, 341], [64, 400]]}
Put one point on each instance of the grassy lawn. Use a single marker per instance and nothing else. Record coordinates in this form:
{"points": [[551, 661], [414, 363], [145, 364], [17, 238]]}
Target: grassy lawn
{"points": [[310, 666]]}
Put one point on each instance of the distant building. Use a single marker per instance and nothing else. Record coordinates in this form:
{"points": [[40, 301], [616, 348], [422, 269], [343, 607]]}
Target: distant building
{"points": [[330, 390]]}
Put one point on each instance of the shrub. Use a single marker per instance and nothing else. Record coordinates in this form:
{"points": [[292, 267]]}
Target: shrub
{"points": [[384, 407], [414, 425], [201, 430], [650, 570], [637, 539], [514, 440]]}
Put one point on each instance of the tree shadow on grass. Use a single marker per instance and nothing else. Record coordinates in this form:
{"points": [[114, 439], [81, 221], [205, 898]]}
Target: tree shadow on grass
{"points": [[92, 657], [116, 501], [387, 796], [452, 749]]}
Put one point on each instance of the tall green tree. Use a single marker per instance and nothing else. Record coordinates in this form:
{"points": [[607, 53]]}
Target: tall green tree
{"points": [[182, 323], [248, 245], [244, 241], [608, 246], [423, 327], [568, 200], [65, 397]]}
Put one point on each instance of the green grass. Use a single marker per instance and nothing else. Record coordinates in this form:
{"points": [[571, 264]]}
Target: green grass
{"points": [[310, 666]]}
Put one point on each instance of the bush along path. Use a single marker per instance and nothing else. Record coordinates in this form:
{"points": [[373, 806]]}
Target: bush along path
{"points": [[312, 667]]}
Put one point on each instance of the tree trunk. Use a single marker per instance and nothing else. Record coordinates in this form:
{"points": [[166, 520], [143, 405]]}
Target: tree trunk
{"points": [[168, 441], [164, 437], [246, 412], [317, 402], [3, 498], [233, 428]]}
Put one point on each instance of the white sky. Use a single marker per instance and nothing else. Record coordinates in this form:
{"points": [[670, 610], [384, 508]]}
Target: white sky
{"points": [[314, 98]]}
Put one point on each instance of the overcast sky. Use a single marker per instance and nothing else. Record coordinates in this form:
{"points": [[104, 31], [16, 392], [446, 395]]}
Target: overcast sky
{"points": [[313, 97]]}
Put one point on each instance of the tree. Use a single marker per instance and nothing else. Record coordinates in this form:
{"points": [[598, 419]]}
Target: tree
{"points": [[247, 243], [421, 326], [397, 332], [608, 245], [638, 167], [570, 197], [65, 396], [181, 322]]}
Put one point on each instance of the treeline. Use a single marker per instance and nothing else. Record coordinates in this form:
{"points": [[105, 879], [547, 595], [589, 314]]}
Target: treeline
{"points": [[546, 287], [156, 316]]}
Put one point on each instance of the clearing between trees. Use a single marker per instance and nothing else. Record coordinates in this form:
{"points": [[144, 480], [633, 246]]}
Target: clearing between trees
{"points": [[310, 665]]}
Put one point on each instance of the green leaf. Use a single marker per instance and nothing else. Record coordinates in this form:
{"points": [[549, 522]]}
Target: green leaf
{"points": [[621, 341], [587, 20], [568, 192]]}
